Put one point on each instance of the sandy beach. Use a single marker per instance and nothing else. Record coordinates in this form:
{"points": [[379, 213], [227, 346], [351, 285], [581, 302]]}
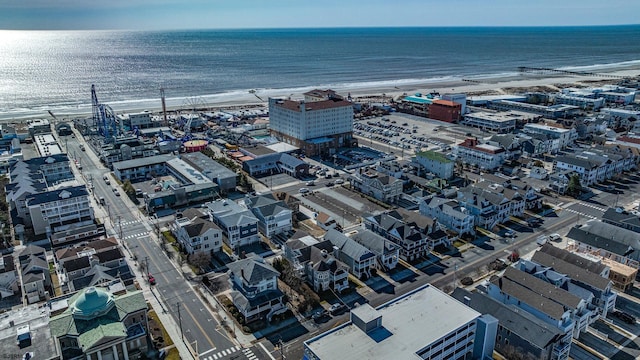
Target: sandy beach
{"points": [[479, 86]]}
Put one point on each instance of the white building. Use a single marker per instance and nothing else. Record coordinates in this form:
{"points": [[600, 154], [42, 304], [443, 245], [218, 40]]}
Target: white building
{"points": [[382, 187], [317, 127], [448, 213], [197, 234], [583, 102], [423, 324], [59, 210], [141, 120], [484, 156], [500, 122], [274, 216], [564, 136], [436, 163]]}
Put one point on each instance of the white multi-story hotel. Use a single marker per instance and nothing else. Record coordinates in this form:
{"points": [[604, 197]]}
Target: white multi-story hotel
{"points": [[317, 127]]}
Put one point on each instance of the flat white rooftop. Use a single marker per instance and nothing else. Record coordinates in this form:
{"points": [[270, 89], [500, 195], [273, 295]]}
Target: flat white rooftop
{"points": [[409, 324]]}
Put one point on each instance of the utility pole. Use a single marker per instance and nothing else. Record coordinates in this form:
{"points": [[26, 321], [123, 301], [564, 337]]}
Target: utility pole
{"points": [[180, 321], [120, 227], [146, 262], [282, 357]]}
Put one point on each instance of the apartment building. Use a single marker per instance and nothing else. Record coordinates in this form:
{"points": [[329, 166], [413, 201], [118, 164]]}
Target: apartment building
{"points": [[60, 210], [238, 224], [436, 163], [449, 213], [380, 186], [274, 216], [196, 233], [484, 156]]}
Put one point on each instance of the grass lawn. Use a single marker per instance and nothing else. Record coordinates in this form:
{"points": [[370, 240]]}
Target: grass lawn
{"points": [[153, 318]]}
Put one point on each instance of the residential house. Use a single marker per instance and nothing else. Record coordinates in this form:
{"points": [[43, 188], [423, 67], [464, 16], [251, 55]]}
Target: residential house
{"points": [[196, 233], [484, 156], [9, 284], [449, 213], [387, 252], [544, 300], [562, 137], [355, 255], [416, 234], [255, 291], [274, 216], [512, 188], [436, 163], [382, 187], [96, 324], [511, 143], [315, 262], [238, 224], [34, 273], [608, 241], [491, 203], [603, 299], [622, 218], [518, 329]]}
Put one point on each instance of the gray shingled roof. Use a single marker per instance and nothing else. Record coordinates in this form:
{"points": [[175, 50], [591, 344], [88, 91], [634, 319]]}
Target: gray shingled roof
{"points": [[252, 270], [374, 242], [614, 217], [576, 273], [608, 237], [533, 299], [549, 291], [348, 246], [518, 321], [199, 226], [568, 256]]}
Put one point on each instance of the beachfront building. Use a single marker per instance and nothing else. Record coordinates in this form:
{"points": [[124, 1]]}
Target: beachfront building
{"points": [[591, 103], [445, 110], [485, 156], [551, 111], [316, 127], [613, 94], [397, 330], [459, 98], [436, 163], [131, 121], [562, 136]]}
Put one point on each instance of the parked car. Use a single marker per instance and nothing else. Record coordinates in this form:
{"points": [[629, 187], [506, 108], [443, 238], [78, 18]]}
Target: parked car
{"points": [[337, 308], [310, 183], [339, 181], [303, 190], [510, 233], [319, 315], [152, 280], [555, 237], [541, 240], [624, 316]]}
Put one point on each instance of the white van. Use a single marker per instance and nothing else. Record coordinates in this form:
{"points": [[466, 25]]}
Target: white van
{"points": [[542, 240]]}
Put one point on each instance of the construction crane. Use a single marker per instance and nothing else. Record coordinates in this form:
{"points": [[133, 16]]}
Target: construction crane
{"points": [[104, 118]]}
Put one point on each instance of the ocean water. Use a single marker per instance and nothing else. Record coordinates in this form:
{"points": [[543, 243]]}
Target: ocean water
{"points": [[54, 70]]}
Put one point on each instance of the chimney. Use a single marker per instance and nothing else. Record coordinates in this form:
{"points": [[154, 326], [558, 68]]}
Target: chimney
{"points": [[467, 301]]}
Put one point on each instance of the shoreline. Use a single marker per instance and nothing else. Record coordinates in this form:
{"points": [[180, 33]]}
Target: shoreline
{"points": [[505, 84]]}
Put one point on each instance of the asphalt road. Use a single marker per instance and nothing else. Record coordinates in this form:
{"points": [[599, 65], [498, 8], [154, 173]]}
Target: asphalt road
{"points": [[201, 330]]}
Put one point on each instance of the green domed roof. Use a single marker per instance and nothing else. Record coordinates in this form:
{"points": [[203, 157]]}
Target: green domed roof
{"points": [[91, 303]]}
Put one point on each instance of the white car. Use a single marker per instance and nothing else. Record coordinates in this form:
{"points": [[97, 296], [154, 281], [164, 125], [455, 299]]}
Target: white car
{"points": [[303, 190], [339, 181], [311, 183]]}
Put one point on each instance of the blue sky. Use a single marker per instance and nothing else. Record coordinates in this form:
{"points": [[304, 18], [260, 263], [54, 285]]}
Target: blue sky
{"points": [[211, 14]]}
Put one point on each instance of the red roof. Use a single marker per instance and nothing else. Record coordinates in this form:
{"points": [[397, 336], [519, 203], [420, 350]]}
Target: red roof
{"points": [[446, 103]]}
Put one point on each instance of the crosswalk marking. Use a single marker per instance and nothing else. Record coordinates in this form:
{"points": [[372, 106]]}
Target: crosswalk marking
{"points": [[136, 235], [579, 213], [221, 354]]}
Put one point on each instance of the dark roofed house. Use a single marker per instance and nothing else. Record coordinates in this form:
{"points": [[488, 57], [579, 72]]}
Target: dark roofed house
{"points": [[519, 329], [622, 218], [546, 301], [255, 289], [36, 278], [315, 262], [196, 233], [607, 240], [8, 277], [387, 252], [274, 216], [359, 259]]}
